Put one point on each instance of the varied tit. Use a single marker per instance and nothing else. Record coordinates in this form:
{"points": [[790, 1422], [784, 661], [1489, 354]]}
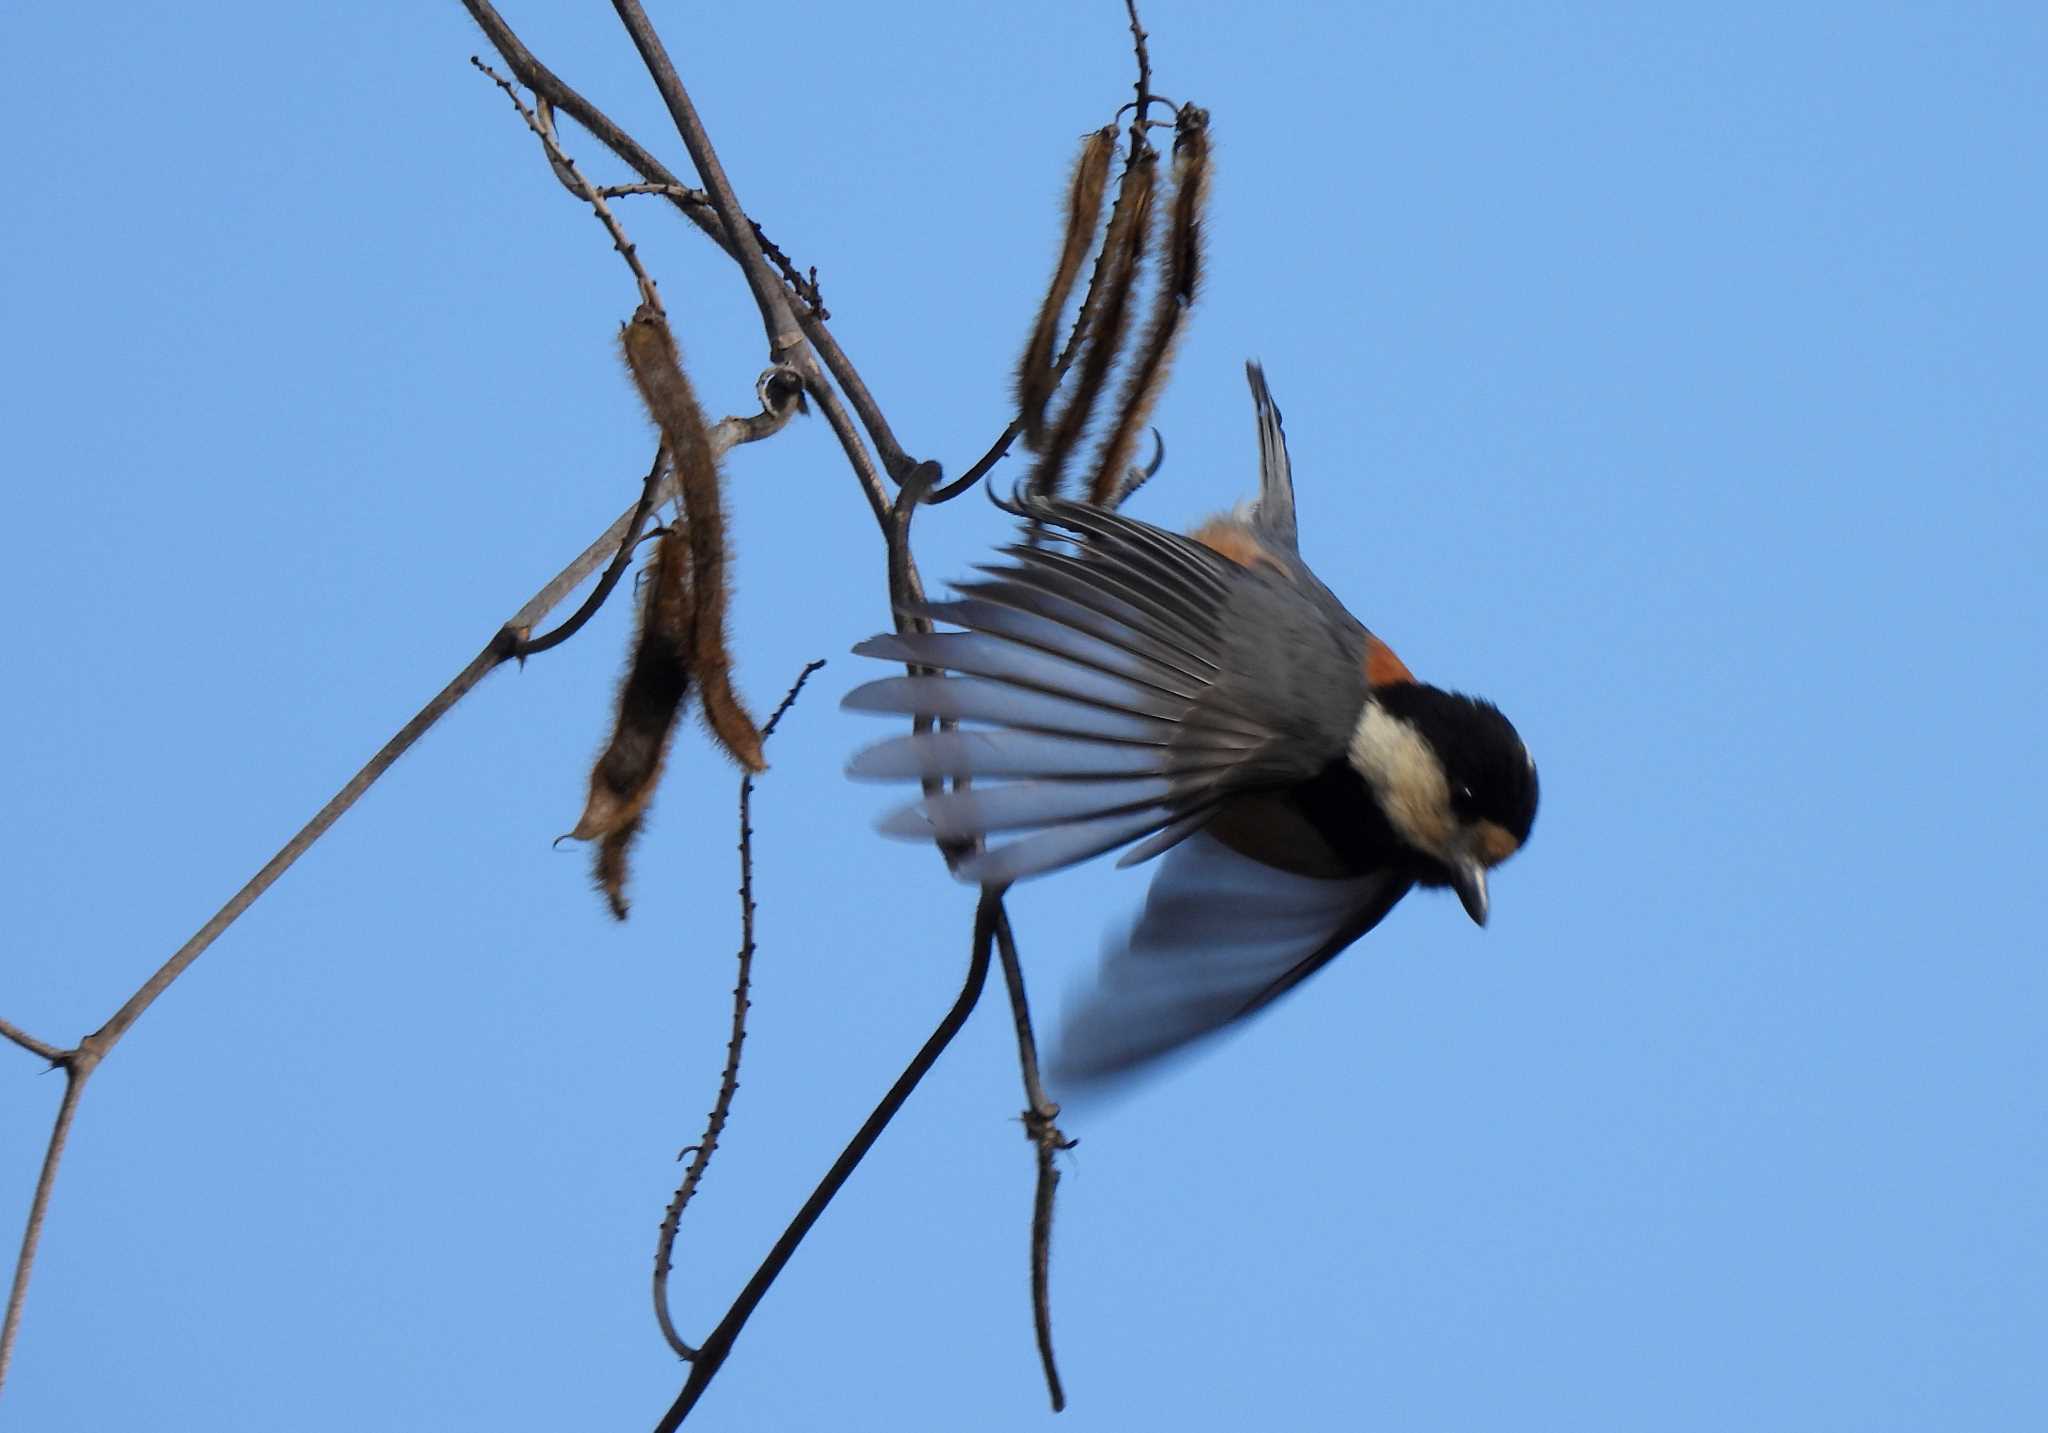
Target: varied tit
{"points": [[1209, 699]]}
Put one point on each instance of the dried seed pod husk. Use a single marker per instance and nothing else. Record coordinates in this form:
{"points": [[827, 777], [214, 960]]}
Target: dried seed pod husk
{"points": [[1105, 316], [1036, 373], [657, 680], [657, 370], [1179, 282]]}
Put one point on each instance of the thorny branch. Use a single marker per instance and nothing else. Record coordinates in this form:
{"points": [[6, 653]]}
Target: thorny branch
{"points": [[729, 1080]]}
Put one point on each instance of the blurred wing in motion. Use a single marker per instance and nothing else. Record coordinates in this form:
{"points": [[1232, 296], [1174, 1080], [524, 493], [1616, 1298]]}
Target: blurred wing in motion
{"points": [[1221, 936]]}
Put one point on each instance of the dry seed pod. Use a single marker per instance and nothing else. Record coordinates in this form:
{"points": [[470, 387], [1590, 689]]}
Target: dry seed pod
{"points": [[623, 779], [1180, 277], [1084, 215], [611, 868], [1105, 315], [657, 372]]}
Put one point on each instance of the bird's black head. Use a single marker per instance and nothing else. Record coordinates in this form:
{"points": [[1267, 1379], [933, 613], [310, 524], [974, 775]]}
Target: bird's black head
{"points": [[1453, 778]]}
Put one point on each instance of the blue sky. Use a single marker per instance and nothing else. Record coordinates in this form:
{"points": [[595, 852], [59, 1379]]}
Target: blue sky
{"points": [[1672, 377]]}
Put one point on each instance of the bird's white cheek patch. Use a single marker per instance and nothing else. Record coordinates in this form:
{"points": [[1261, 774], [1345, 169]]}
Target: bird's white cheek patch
{"points": [[1406, 776]]}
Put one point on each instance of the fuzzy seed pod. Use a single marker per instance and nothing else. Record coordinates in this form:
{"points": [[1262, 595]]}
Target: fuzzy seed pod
{"points": [[657, 372], [1179, 280], [1084, 216], [1105, 316], [622, 781]]}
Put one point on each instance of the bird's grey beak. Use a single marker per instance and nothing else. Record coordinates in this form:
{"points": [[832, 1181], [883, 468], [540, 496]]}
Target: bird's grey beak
{"points": [[1468, 879]]}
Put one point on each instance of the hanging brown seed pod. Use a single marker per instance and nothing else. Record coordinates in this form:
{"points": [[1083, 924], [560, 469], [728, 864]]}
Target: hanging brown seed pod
{"points": [[657, 679], [657, 371], [1105, 315], [1035, 371], [1179, 280]]}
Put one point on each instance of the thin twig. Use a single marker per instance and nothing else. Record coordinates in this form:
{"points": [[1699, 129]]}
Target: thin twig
{"points": [[999, 450], [502, 645], [1047, 1142], [682, 194], [715, 1348], [572, 177], [547, 85], [729, 1081], [1040, 1114], [78, 1066], [31, 1044]]}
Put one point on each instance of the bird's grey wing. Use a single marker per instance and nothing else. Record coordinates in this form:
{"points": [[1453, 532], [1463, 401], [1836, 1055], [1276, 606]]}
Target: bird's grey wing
{"points": [[1274, 513], [1113, 681], [1220, 936]]}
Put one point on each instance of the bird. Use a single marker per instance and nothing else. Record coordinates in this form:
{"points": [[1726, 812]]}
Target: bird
{"points": [[1203, 700]]}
